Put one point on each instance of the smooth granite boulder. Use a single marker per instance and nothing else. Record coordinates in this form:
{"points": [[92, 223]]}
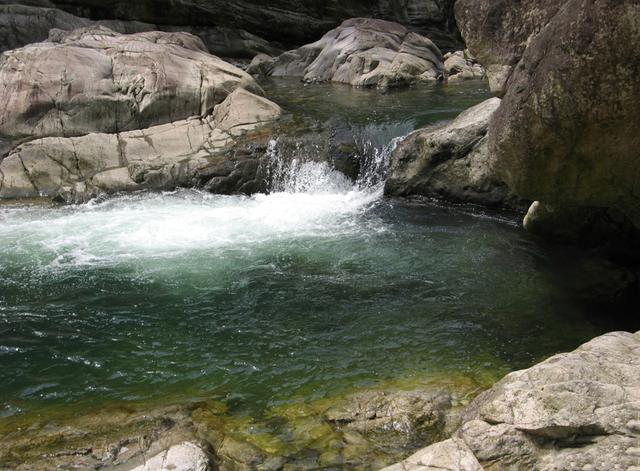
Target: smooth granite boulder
{"points": [[364, 52], [93, 110]]}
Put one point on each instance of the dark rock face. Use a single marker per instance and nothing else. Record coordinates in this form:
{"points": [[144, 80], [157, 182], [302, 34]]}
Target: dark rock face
{"points": [[26, 24], [566, 133], [497, 32], [451, 162], [21, 24], [289, 23]]}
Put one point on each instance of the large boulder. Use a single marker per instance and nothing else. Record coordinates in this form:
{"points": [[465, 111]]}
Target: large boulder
{"points": [[451, 162], [93, 110], [25, 24], [577, 410], [566, 132], [364, 52], [498, 32]]}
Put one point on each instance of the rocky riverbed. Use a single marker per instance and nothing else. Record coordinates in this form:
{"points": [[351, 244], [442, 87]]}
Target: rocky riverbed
{"points": [[576, 409]]}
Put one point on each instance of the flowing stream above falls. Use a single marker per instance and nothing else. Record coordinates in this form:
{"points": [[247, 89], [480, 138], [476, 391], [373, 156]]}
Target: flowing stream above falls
{"points": [[317, 288]]}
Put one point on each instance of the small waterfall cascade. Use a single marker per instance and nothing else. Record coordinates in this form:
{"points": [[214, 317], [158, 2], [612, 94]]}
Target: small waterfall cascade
{"points": [[299, 173], [374, 163]]}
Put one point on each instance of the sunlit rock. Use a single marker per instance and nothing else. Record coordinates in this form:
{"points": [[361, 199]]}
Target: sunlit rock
{"points": [[450, 455], [364, 52], [94, 111], [182, 457], [576, 410]]}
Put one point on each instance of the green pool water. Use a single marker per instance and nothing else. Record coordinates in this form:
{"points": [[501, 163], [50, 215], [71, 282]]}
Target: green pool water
{"points": [[296, 295]]}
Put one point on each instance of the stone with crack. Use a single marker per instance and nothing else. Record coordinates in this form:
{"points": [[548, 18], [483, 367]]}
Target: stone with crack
{"points": [[95, 111]]}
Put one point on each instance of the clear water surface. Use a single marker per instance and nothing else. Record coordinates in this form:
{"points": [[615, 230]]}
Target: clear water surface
{"points": [[306, 292]]}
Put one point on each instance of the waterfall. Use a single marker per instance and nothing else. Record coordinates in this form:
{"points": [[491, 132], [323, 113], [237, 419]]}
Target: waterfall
{"points": [[300, 174], [374, 163]]}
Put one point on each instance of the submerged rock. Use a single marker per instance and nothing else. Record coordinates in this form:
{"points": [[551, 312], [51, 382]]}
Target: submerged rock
{"points": [[576, 410], [363, 52], [400, 411], [115, 438], [451, 162], [95, 111]]}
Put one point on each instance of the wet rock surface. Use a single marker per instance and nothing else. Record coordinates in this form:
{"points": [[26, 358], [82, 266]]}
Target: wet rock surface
{"points": [[578, 408], [451, 162], [116, 438], [94, 111], [363, 52]]}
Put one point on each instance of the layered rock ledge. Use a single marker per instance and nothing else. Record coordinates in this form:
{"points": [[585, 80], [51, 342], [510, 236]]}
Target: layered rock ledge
{"points": [[94, 111], [574, 411]]}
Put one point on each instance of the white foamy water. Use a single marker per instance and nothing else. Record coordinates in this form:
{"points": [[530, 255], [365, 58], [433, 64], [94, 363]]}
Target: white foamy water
{"points": [[318, 202]]}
